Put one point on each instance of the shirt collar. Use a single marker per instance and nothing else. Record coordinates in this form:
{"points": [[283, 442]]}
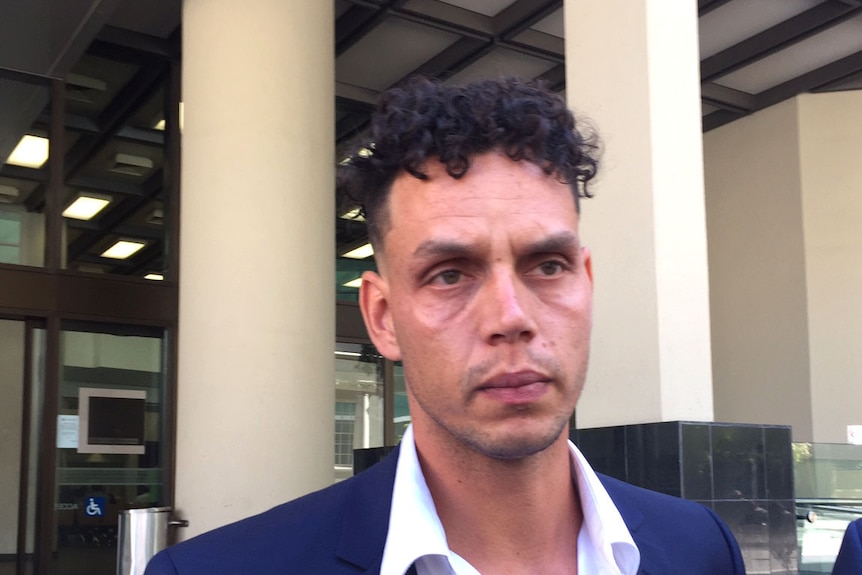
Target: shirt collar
{"points": [[604, 543], [415, 529]]}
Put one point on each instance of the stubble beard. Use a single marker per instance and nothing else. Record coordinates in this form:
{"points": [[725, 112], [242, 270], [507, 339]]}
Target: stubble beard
{"points": [[511, 443]]}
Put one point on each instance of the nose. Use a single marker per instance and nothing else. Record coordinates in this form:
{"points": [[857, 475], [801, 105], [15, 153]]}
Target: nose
{"points": [[505, 309]]}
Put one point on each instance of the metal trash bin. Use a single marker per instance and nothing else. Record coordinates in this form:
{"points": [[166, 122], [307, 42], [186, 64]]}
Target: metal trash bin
{"points": [[142, 533]]}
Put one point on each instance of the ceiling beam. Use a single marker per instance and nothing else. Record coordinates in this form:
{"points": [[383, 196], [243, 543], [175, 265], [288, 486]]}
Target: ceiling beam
{"points": [[454, 58], [851, 82], [85, 125], [718, 119], [358, 21], [351, 125], [704, 7], [143, 261], [355, 96], [134, 47], [823, 76], [351, 26], [555, 77], [435, 10], [727, 98], [519, 16], [118, 214], [125, 230], [776, 38], [138, 90]]}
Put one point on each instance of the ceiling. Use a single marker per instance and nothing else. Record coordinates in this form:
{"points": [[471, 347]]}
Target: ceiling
{"points": [[116, 58]]}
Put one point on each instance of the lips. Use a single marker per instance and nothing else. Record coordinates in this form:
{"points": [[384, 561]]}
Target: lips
{"points": [[515, 388]]}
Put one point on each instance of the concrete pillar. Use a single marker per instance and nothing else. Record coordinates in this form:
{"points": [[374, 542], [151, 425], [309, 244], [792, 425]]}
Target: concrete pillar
{"points": [[257, 308], [757, 268], [786, 263], [632, 67]]}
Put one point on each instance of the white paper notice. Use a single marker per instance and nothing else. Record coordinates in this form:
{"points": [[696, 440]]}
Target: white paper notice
{"points": [[67, 431], [854, 434]]}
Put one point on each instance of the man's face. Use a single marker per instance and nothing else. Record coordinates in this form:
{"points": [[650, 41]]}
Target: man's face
{"points": [[485, 294]]}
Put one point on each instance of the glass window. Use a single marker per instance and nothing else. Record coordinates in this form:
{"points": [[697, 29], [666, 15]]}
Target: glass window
{"points": [[115, 194], [400, 409], [10, 238], [24, 118], [358, 403]]}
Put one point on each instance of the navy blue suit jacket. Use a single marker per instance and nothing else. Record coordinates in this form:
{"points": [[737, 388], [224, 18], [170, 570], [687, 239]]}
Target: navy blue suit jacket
{"points": [[342, 529], [849, 560]]}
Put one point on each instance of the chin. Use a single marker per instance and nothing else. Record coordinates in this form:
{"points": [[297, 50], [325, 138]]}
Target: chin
{"points": [[517, 443]]}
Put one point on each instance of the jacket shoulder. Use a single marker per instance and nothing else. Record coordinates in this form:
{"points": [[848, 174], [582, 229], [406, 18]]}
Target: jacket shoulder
{"points": [[301, 536], [849, 560], [675, 535]]}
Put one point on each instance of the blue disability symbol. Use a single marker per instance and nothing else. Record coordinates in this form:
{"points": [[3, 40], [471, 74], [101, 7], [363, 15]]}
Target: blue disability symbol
{"points": [[95, 507]]}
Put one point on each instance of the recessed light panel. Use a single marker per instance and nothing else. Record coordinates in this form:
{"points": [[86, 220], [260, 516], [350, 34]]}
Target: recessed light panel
{"points": [[154, 277], [361, 252], [85, 207], [355, 214], [31, 152], [354, 283], [123, 249], [160, 125]]}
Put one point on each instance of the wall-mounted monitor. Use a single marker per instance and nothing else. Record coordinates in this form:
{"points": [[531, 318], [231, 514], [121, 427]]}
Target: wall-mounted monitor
{"points": [[111, 420]]}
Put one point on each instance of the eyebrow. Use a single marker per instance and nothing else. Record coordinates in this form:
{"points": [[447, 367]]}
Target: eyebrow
{"points": [[559, 242], [441, 248]]}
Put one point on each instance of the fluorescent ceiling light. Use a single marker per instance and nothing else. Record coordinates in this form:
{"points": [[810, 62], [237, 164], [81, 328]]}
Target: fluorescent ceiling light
{"points": [[354, 214], [123, 249], [85, 207], [360, 253], [31, 152], [160, 125], [353, 283], [348, 353], [155, 277]]}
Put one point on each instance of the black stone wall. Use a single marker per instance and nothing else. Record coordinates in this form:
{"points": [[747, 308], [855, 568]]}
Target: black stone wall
{"points": [[743, 472]]}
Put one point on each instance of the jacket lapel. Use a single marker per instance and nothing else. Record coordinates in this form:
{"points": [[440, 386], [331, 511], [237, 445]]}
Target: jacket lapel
{"points": [[654, 559], [366, 515]]}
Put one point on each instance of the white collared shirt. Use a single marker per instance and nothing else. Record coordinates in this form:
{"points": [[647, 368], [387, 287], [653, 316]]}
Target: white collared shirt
{"points": [[605, 546]]}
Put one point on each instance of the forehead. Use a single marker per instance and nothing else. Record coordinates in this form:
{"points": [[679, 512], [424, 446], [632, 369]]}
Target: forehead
{"points": [[496, 195], [492, 178]]}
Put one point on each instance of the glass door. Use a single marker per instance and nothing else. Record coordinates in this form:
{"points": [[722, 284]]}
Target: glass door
{"points": [[110, 439], [21, 383]]}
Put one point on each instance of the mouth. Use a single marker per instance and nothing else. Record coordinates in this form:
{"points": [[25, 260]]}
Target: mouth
{"points": [[517, 388]]}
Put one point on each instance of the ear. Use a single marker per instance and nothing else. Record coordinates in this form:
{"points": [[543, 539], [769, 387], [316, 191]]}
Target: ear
{"points": [[587, 258], [374, 303]]}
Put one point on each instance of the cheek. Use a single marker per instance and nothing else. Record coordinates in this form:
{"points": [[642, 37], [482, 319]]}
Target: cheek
{"points": [[572, 317]]}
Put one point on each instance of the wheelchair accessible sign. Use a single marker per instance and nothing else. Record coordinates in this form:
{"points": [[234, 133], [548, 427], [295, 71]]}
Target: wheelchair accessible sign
{"points": [[95, 507]]}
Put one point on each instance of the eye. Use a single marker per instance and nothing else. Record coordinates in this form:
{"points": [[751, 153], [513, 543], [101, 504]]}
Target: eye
{"points": [[550, 268], [447, 277]]}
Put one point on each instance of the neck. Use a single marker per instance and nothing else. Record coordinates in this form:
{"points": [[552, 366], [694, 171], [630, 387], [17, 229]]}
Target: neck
{"points": [[506, 515]]}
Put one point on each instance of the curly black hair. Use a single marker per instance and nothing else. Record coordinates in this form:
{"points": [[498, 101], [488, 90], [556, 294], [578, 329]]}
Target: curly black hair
{"points": [[423, 119]]}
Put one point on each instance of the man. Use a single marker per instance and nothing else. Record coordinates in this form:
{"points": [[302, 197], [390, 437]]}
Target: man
{"points": [[484, 292], [849, 560]]}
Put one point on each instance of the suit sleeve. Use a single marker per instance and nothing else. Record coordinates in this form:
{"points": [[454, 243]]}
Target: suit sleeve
{"points": [[849, 560], [161, 564]]}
